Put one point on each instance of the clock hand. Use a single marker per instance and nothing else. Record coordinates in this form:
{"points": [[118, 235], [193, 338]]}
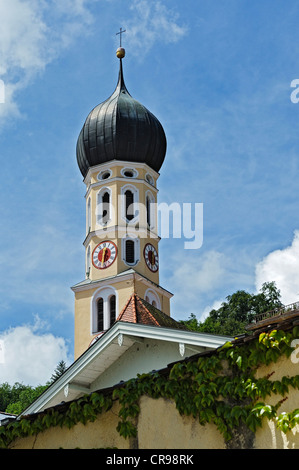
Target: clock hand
{"points": [[103, 256]]}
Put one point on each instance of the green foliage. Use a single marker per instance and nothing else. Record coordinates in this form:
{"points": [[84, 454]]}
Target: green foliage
{"points": [[201, 389], [220, 388], [9, 394], [237, 312], [26, 397], [83, 410], [60, 369], [14, 399]]}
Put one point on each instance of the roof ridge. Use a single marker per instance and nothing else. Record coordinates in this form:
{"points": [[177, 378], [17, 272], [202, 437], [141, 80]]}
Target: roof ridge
{"points": [[134, 306], [147, 310]]}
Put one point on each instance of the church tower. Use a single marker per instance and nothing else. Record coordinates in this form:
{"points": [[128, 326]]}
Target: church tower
{"points": [[120, 151]]}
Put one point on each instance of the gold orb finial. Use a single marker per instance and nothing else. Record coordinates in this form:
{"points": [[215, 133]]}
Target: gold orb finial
{"points": [[120, 53]]}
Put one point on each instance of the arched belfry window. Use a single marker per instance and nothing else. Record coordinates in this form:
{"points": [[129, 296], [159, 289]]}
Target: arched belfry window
{"points": [[88, 262], [150, 210], [100, 314], [112, 302], [130, 250], [152, 298], [129, 205], [88, 220], [104, 206], [104, 309], [130, 202]]}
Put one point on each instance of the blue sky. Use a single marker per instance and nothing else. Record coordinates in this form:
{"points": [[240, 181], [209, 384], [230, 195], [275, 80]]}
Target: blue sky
{"points": [[217, 75]]}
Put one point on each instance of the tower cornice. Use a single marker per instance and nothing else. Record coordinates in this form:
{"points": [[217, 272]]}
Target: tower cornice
{"points": [[119, 231], [115, 163], [128, 275]]}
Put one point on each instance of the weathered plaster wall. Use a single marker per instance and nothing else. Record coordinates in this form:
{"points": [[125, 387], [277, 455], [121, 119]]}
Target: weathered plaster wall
{"points": [[99, 434], [160, 426], [269, 437]]}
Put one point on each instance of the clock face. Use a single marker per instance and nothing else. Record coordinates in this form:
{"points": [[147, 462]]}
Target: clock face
{"points": [[151, 257], [104, 255]]}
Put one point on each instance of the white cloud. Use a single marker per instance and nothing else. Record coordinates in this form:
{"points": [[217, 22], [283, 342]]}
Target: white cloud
{"points": [[282, 266], [215, 306], [30, 355], [200, 280], [152, 22], [23, 34], [32, 34]]}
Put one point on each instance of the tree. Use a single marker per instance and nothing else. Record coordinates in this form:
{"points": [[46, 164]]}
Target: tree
{"points": [[60, 369], [26, 397], [9, 394], [237, 312], [268, 298], [15, 399]]}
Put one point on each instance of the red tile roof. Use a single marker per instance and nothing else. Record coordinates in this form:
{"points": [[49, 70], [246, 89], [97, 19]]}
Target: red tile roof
{"points": [[138, 310]]}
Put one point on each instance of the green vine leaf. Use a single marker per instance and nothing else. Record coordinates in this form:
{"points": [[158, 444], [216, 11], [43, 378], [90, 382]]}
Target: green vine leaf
{"points": [[201, 388]]}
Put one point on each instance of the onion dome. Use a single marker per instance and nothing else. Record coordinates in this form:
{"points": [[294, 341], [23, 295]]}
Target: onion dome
{"points": [[122, 129]]}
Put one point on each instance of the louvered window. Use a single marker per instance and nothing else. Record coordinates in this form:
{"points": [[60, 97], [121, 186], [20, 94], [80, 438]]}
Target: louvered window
{"points": [[112, 309], [105, 207], [148, 211], [130, 251], [100, 312], [88, 215], [129, 201]]}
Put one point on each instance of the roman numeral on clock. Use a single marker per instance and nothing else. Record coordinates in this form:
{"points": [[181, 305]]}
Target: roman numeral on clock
{"points": [[104, 255]]}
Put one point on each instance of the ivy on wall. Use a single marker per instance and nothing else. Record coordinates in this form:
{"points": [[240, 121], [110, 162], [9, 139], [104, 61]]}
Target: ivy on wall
{"points": [[219, 388]]}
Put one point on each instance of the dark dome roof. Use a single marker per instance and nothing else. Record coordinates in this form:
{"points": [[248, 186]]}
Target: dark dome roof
{"points": [[121, 128]]}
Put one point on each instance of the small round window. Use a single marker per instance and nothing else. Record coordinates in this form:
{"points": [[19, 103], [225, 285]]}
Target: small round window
{"points": [[104, 175], [129, 172]]}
